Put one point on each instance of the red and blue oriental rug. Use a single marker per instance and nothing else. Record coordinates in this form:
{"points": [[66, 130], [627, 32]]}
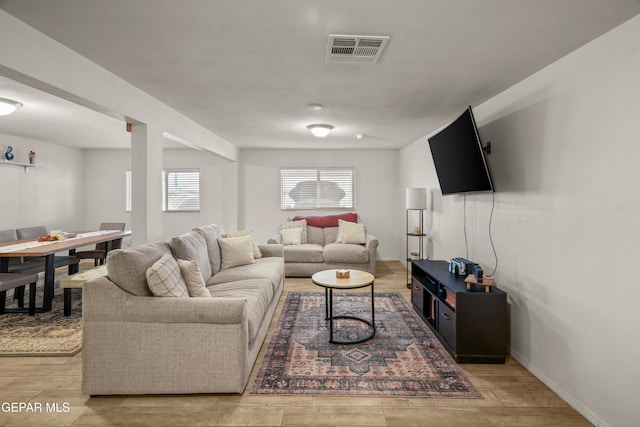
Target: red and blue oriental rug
{"points": [[403, 359]]}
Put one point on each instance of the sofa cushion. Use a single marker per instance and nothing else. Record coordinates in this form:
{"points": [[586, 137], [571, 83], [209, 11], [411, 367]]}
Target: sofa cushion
{"points": [[328, 220], [336, 253], [315, 235], [192, 247], [235, 251], [303, 253], [193, 278], [330, 235], [165, 280], [351, 232], [254, 246], [211, 234], [296, 224], [257, 292], [127, 268], [270, 268]]}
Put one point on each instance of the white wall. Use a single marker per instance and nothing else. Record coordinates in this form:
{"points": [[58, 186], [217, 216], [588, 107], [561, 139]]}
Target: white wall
{"points": [[565, 166], [376, 194], [105, 198], [218, 192], [51, 195], [105, 185]]}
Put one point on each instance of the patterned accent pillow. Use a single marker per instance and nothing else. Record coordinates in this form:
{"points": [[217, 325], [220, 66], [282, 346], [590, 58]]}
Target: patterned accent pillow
{"points": [[296, 224], [165, 280], [193, 278], [254, 246], [351, 232]]}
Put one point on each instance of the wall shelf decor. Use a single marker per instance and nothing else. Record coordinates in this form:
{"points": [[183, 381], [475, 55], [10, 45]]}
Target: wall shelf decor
{"points": [[26, 166]]}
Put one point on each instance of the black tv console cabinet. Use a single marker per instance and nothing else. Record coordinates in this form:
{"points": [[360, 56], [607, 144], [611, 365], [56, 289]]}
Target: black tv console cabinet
{"points": [[473, 325]]}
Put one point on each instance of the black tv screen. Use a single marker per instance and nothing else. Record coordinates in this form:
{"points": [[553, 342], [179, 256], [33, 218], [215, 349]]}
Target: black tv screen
{"points": [[458, 157]]}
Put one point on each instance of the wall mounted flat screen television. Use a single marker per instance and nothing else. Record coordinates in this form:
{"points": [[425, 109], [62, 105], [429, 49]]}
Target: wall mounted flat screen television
{"points": [[459, 158]]}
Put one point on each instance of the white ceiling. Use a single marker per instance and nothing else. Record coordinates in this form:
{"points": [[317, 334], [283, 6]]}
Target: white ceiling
{"points": [[247, 69], [44, 117]]}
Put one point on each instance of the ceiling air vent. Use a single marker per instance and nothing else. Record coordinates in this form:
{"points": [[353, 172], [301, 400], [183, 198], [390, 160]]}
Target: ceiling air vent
{"points": [[355, 48]]}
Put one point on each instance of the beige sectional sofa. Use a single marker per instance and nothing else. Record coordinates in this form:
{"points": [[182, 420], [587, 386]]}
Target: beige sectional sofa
{"points": [[320, 251], [137, 343]]}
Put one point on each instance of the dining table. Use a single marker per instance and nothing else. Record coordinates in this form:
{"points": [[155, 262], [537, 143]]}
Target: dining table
{"points": [[42, 247]]}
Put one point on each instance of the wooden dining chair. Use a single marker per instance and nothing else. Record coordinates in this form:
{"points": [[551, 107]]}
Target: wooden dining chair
{"points": [[99, 254], [14, 266]]}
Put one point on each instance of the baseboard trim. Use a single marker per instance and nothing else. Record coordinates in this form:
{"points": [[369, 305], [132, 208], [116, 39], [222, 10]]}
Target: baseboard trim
{"points": [[564, 394]]}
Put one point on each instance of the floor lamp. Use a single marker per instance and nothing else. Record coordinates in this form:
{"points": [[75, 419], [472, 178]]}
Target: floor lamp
{"points": [[416, 201]]}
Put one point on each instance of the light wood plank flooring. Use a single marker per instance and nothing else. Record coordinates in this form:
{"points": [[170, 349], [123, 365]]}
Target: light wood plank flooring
{"points": [[512, 396]]}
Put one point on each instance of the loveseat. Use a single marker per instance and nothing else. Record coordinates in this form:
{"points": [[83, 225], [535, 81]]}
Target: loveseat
{"points": [[321, 246], [135, 342]]}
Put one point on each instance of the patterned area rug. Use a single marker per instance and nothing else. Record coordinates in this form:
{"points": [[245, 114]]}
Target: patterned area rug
{"points": [[45, 334], [403, 359]]}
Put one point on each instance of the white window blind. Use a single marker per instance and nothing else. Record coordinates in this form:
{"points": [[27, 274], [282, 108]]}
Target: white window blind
{"points": [[180, 190], [329, 188], [127, 190]]}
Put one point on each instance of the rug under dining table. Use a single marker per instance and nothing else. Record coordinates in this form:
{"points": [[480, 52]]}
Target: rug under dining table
{"points": [[45, 334]]}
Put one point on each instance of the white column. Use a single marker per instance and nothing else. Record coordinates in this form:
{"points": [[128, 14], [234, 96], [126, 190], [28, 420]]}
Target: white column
{"points": [[146, 184]]}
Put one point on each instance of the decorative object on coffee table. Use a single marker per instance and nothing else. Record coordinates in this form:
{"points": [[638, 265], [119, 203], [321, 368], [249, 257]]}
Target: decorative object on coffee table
{"points": [[342, 274]]}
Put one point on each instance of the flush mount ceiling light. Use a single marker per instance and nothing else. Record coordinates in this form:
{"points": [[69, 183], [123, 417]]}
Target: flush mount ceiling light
{"points": [[8, 106], [320, 130], [315, 107]]}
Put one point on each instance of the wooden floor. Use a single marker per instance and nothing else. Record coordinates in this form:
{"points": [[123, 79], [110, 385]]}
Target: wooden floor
{"points": [[512, 396]]}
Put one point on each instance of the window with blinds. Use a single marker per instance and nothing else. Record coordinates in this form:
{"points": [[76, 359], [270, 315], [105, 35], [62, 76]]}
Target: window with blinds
{"points": [[127, 190], [180, 190], [327, 188]]}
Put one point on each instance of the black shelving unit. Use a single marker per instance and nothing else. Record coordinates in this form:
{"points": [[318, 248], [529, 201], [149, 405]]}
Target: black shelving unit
{"points": [[412, 237], [472, 324]]}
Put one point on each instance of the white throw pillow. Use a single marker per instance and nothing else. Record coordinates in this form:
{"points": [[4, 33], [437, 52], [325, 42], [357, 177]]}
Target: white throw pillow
{"points": [[164, 278], [351, 232], [296, 224], [235, 251], [254, 246], [193, 278], [291, 236]]}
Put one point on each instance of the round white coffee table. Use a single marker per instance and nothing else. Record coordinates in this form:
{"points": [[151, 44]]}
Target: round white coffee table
{"points": [[357, 279]]}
